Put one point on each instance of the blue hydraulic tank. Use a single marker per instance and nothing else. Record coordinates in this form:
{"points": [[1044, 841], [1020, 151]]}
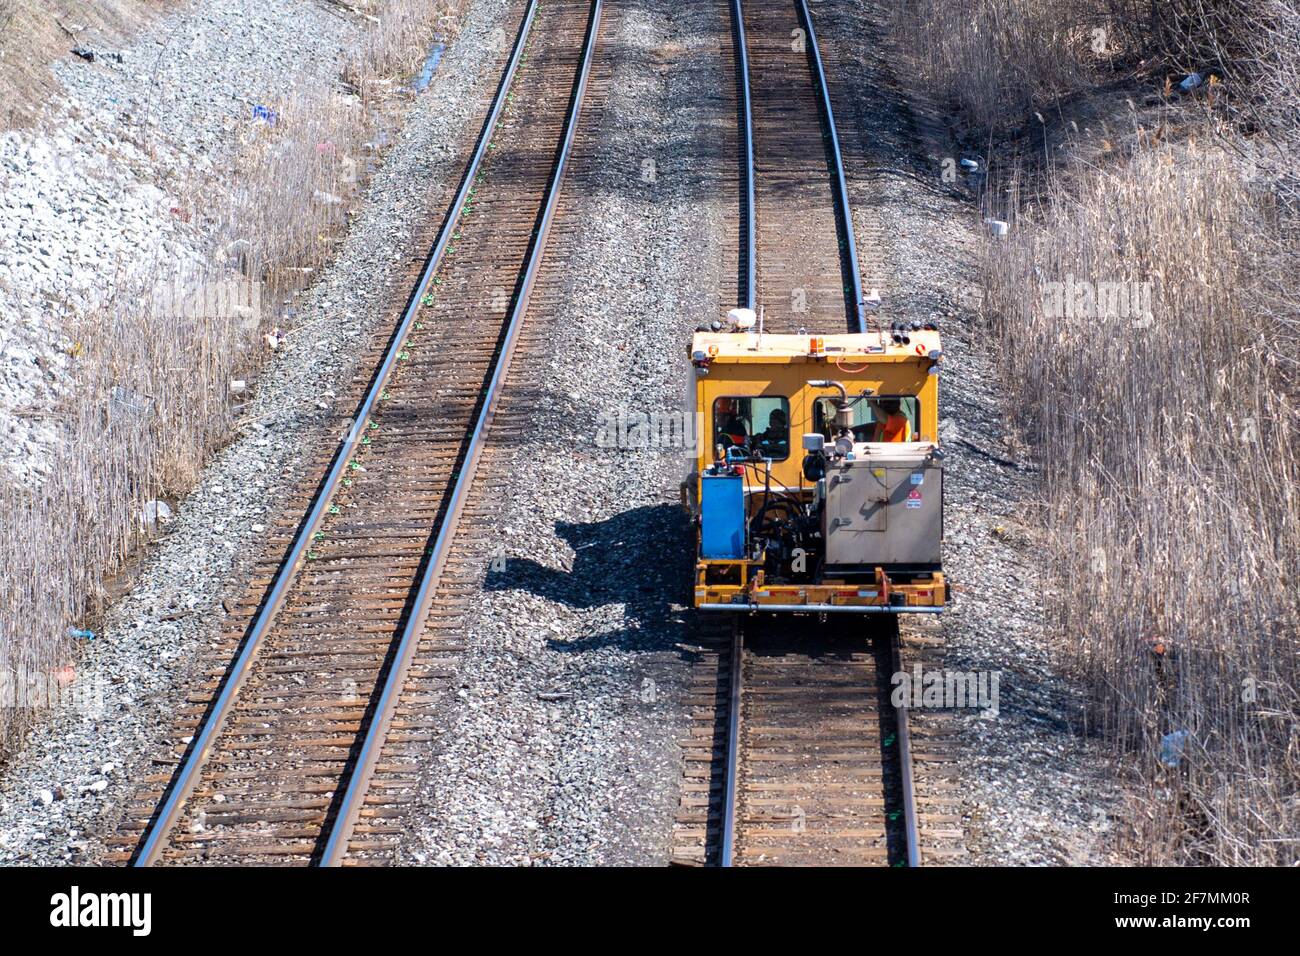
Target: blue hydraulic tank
{"points": [[722, 517]]}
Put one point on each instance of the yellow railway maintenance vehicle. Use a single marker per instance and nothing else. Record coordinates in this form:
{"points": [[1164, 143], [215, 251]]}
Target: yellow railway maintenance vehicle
{"points": [[818, 478]]}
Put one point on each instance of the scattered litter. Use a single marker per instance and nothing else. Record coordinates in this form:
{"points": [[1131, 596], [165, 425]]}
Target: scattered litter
{"points": [[155, 511], [81, 634], [274, 339], [46, 797], [124, 402], [99, 786], [265, 114], [872, 300], [107, 769], [324, 148], [1172, 747], [997, 228], [1192, 81], [238, 386], [90, 56], [328, 199], [970, 164], [259, 528]]}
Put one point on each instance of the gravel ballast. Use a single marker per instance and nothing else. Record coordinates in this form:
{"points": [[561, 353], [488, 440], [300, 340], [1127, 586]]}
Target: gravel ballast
{"points": [[141, 663], [562, 746]]}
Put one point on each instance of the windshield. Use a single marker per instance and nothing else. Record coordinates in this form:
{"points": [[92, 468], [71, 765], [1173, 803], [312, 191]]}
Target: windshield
{"points": [[879, 418], [756, 424]]}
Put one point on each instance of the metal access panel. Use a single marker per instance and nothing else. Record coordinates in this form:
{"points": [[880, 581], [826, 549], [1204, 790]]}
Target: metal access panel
{"points": [[883, 512], [722, 517]]}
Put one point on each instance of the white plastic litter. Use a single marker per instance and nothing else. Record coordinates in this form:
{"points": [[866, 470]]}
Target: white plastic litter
{"points": [[155, 511]]}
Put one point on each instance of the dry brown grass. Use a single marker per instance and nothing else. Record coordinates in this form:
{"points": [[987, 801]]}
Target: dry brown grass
{"points": [[1168, 440], [406, 27], [993, 60], [271, 224], [1169, 449]]}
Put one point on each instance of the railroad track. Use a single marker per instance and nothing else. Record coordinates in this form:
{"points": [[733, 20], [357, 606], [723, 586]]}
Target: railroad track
{"points": [[796, 755], [819, 763], [302, 745], [801, 252]]}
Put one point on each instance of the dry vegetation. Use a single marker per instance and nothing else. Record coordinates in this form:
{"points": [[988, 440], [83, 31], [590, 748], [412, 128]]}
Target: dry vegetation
{"points": [[1168, 437], [33, 33], [150, 396]]}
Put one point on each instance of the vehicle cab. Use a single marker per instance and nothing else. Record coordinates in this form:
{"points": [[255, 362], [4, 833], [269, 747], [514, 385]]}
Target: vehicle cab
{"points": [[817, 482]]}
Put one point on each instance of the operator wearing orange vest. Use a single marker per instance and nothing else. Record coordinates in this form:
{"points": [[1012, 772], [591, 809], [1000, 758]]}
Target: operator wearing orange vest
{"points": [[891, 423], [729, 423]]}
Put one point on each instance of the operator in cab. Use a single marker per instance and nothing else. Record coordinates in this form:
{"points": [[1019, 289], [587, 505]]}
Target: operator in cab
{"points": [[730, 424], [774, 441], [891, 423]]}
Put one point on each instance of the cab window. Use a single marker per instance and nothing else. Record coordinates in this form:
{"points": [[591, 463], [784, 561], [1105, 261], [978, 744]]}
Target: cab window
{"points": [[756, 424], [867, 425]]}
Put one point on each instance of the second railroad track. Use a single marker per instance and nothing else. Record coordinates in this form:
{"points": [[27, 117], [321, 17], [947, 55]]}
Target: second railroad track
{"points": [[299, 744]]}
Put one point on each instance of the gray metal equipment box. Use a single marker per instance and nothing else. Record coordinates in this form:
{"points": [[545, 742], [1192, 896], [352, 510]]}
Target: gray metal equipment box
{"points": [[883, 508]]}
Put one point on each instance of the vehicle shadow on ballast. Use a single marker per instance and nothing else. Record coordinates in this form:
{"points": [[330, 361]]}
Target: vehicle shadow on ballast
{"points": [[639, 558]]}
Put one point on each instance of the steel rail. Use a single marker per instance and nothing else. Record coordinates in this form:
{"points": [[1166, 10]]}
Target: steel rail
{"points": [[905, 761], [336, 847], [841, 186], [751, 241], [727, 849], [156, 835]]}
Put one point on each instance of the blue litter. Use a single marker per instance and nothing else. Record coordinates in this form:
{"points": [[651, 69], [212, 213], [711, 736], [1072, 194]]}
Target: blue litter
{"points": [[265, 114], [1172, 746], [430, 65], [83, 635]]}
